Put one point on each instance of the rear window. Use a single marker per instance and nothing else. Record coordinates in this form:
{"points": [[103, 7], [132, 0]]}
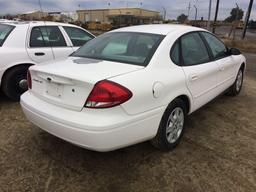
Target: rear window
{"points": [[5, 30], [124, 47]]}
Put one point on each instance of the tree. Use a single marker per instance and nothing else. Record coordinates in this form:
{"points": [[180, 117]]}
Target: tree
{"points": [[182, 18], [235, 14]]}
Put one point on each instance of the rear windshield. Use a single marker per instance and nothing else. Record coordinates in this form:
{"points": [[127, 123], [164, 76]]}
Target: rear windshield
{"points": [[125, 47], [5, 30]]}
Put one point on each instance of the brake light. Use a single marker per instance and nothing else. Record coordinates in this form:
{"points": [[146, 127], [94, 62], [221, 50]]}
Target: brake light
{"points": [[29, 81], [106, 94]]}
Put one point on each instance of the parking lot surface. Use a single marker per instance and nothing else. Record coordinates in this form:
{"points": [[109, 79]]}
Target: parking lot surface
{"points": [[217, 153]]}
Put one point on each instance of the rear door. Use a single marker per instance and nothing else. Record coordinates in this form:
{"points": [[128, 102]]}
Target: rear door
{"points": [[47, 43], [199, 69], [227, 64]]}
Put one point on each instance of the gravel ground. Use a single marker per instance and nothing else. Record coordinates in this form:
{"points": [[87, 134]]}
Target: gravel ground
{"points": [[217, 153]]}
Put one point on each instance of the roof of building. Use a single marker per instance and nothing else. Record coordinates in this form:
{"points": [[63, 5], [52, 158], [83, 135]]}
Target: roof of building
{"points": [[162, 29], [121, 8]]}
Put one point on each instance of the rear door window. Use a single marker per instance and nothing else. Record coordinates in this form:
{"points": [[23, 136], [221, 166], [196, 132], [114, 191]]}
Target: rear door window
{"points": [[78, 36], [47, 36], [5, 30], [194, 51]]}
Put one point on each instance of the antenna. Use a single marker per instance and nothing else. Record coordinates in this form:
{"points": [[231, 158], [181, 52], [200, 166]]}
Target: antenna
{"points": [[48, 34]]}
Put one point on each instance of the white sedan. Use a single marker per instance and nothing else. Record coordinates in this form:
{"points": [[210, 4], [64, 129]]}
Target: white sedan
{"points": [[131, 85], [23, 44]]}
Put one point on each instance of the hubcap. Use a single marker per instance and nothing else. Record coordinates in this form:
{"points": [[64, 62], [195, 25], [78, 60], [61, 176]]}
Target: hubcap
{"points": [[23, 84], [239, 80], [175, 125]]}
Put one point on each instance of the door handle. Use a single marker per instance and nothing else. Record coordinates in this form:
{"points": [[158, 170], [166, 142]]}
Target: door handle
{"points": [[39, 54], [222, 68], [193, 77]]}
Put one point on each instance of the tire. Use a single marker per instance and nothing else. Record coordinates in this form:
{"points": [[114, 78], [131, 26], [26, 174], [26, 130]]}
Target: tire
{"points": [[165, 139], [14, 82], [236, 88]]}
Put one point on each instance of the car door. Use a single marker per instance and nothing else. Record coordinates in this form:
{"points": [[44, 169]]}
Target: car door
{"points": [[227, 64], [47, 43], [78, 37], [199, 69]]}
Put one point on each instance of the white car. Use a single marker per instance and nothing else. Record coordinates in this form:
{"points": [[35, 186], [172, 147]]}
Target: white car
{"points": [[23, 44], [131, 85]]}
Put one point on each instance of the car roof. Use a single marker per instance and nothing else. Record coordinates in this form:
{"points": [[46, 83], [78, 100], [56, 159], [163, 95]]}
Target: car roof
{"points": [[161, 29], [35, 23]]}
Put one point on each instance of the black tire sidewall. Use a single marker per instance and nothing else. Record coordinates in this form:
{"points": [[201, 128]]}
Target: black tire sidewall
{"points": [[11, 82], [162, 127]]}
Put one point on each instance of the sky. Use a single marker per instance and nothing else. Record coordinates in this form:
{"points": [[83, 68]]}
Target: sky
{"points": [[173, 7]]}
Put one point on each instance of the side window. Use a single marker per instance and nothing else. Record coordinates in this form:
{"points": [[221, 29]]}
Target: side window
{"points": [[218, 48], [193, 50], [78, 36], [47, 36], [175, 53]]}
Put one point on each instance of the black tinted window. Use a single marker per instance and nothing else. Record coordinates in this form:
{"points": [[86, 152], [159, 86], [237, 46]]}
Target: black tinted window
{"points": [[193, 50], [5, 30], [218, 48], [78, 36], [47, 36], [175, 54]]}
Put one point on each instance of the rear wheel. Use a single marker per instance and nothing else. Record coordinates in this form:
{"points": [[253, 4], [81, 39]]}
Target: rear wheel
{"points": [[171, 127], [237, 86], [15, 82]]}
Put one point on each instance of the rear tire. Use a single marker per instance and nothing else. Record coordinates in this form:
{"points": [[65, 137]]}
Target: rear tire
{"points": [[171, 127], [236, 88], [15, 82]]}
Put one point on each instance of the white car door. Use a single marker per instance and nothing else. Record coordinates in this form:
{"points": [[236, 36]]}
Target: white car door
{"points": [[47, 43], [199, 69], [78, 37]]}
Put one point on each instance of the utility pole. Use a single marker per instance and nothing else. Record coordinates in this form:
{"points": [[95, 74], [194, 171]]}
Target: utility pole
{"points": [[195, 23], [247, 18], [216, 15], [164, 13], [209, 15], [189, 7]]}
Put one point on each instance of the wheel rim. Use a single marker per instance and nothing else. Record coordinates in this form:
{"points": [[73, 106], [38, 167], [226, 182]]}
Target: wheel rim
{"points": [[239, 80], [23, 85], [175, 125]]}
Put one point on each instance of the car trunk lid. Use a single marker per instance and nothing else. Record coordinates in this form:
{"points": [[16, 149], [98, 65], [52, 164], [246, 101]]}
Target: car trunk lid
{"points": [[68, 83]]}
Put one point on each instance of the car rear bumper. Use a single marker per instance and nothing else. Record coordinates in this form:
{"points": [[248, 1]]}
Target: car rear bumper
{"points": [[96, 130]]}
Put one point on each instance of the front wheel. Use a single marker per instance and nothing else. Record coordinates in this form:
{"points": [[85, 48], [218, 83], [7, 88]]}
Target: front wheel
{"points": [[235, 89], [171, 127], [15, 82]]}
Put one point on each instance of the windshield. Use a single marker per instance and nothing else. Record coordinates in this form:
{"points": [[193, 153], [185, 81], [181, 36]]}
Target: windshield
{"points": [[124, 47], [5, 30]]}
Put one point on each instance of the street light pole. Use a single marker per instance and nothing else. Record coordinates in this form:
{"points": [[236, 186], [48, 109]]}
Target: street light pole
{"points": [[216, 15], [247, 18], [164, 12], [209, 15], [195, 13]]}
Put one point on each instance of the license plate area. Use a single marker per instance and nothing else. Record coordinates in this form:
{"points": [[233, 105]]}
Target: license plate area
{"points": [[54, 89]]}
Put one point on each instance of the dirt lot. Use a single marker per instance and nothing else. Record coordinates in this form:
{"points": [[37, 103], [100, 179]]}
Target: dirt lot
{"points": [[217, 153]]}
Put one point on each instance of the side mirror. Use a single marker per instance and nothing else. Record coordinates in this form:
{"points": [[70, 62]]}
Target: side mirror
{"points": [[234, 51]]}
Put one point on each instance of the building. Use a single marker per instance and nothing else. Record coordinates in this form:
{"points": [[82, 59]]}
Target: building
{"points": [[64, 16], [33, 15], [127, 16]]}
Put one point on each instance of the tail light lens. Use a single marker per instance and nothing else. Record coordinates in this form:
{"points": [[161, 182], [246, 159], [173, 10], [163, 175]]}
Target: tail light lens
{"points": [[29, 81], [106, 94]]}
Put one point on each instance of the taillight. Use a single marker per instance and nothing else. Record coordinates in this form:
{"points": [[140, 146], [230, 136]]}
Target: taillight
{"points": [[29, 81], [106, 94]]}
